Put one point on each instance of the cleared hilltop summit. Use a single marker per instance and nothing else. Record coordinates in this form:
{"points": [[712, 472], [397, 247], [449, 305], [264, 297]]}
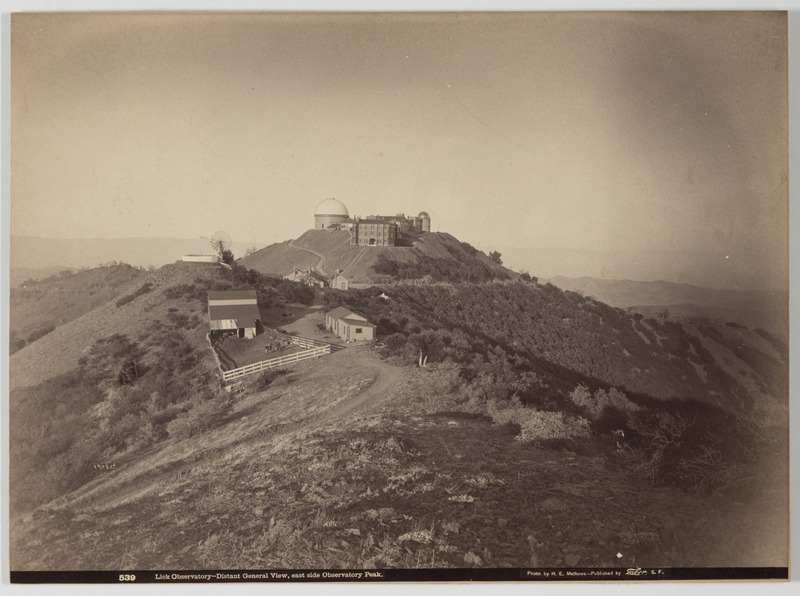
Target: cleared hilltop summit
{"points": [[438, 255], [377, 249]]}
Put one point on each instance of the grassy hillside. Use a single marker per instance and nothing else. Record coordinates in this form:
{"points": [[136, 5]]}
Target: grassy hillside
{"points": [[18, 276], [493, 424], [568, 338], [350, 462], [280, 259], [40, 306], [175, 292], [122, 377], [60, 350], [435, 255]]}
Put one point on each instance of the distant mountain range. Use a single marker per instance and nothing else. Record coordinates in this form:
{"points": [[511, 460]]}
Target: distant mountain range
{"points": [[32, 252], [713, 270], [766, 309]]}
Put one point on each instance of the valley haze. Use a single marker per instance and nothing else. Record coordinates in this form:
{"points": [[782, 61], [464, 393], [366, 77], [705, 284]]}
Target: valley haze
{"points": [[531, 131]]}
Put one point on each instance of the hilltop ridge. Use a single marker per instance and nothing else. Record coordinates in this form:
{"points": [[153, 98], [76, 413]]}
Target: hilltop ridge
{"points": [[59, 351], [329, 250]]}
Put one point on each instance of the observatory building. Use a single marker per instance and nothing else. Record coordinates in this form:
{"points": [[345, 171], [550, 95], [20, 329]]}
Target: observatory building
{"points": [[374, 230], [421, 222], [330, 213]]}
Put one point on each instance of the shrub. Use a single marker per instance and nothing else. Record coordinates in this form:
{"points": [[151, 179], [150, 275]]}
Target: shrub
{"points": [[582, 397], [203, 415], [178, 319], [185, 291], [266, 378], [595, 405], [41, 332], [544, 426], [144, 289], [697, 447], [538, 425], [438, 387], [108, 357]]}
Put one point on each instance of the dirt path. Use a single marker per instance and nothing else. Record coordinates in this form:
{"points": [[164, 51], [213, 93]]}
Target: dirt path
{"points": [[356, 259], [260, 418], [381, 391], [321, 257]]}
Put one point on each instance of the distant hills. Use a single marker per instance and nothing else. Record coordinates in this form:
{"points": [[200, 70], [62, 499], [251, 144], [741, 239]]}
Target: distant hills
{"points": [[708, 269], [20, 275], [766, 309], [31, 252]]}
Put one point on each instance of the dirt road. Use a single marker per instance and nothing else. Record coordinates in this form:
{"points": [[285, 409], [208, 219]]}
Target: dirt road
{"points": [[314, 394], [321, 257]]}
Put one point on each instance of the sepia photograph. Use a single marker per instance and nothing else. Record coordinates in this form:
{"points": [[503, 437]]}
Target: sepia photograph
{"points": [[378, 297]]}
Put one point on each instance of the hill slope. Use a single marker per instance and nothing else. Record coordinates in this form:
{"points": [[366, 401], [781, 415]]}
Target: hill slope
{"points": [[19, 275], [768, 310], [345, 462], [43, 305], [329, 251], [59, 351], [567, 339], [502, 450]]}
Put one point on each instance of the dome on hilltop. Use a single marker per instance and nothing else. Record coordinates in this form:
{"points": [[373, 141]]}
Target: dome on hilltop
{"points": [[331, 207]]}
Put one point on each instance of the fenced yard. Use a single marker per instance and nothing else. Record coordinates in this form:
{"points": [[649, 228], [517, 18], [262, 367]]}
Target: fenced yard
{"points": [[275, 362], [235, 353], [239, 357]]}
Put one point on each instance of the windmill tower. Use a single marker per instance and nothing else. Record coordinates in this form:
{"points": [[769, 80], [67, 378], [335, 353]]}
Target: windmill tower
{"points": [[221, 243]]}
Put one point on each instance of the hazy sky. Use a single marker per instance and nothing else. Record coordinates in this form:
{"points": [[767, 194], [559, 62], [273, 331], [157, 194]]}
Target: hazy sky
{"points": [[648, 133]]}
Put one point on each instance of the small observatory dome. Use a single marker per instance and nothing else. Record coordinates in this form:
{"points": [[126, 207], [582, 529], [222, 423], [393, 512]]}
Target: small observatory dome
{"points": [[329, 213], [425, 221]]}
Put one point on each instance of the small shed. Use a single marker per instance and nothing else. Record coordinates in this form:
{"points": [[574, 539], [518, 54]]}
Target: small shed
{"points": [[234, 310], [200, 258], [340, 282], [348, 325]]}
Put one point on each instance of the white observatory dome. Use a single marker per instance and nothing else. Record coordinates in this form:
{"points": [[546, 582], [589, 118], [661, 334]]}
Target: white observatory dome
{"points": [[331, 207]]}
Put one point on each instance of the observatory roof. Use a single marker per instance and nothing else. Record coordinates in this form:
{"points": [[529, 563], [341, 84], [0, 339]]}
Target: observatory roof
{"points": [[423, 214], [331, 207]]}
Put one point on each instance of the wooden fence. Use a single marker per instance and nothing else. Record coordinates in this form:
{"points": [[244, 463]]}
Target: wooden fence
{"points": [[273, 362], [303, 342]]}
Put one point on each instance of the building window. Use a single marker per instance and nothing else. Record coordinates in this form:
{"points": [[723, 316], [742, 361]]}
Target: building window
{"points": [[358, 330]]}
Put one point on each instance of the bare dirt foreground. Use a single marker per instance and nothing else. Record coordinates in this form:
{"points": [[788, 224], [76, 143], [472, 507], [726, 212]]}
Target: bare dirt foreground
{"points": [[338, 464]]}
